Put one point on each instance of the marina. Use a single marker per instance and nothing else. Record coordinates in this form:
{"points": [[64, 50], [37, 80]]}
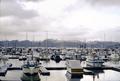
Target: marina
{"points": [[73, 69]]}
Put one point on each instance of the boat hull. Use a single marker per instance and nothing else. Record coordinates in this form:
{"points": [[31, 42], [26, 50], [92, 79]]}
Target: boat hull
{"points": [[30, 71], [94, 64]]}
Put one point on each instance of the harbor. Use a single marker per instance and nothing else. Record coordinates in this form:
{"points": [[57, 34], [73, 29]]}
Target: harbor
{"points": [[72, 68]]}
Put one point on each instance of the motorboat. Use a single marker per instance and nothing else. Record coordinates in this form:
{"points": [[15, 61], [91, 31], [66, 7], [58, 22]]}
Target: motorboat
{"points": [[114, 57], [74, 68], [93, 60]]}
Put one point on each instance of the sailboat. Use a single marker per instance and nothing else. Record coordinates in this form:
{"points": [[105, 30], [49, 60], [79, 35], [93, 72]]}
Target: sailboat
{"points": [[31, 66]]}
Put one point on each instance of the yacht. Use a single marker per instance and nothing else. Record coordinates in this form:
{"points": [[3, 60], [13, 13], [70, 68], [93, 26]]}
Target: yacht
{"points": [[22, 57], [74, 68], [94, 60], [114, 57]]}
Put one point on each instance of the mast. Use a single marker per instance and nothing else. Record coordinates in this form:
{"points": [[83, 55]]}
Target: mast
{"points": [[103, 40], [26, 37], [46, 43], [33, 45]]}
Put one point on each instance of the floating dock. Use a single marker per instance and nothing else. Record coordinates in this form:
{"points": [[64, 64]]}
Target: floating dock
{"points": [[116, 68], [56, 68], [13, 57], [14, 68], [64, 68], [10, 80], [4, 68], [44, 71]]}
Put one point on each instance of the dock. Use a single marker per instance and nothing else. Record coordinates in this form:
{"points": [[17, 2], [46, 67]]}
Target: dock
{"points": [[13, 57], [3, 69], [56, 68], [14, 68], [64, 68], [44, 71], [88, 72], [116, 68], [10, 80]]}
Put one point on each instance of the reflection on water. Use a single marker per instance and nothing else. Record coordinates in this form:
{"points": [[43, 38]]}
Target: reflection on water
{"points": [[30, 78], [107, 75], [53, 64], [73, 78], [95, 75], [60, 75]]}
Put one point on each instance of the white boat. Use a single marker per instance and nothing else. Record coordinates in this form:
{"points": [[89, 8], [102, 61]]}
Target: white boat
{"points": [[31, 66], [94, 61], [74, 68], [114, 57], [4, 65], [23, 57]]}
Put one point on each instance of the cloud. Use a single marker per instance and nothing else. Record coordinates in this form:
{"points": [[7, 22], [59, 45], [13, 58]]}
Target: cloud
{"points": [[68, 19], [31, 0], [105, 2], [113, 34], [14, 8]]}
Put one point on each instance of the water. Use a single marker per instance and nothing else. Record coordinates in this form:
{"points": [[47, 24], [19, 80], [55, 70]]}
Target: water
{"points": [[59, 75], [108, 75]]}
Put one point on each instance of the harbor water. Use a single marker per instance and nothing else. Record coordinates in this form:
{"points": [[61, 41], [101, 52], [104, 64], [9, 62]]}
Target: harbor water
{"points": [[59, 75]]}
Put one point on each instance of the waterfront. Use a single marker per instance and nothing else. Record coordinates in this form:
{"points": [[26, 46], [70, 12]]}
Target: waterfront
{"points": [[107, 75], [60, 75]]}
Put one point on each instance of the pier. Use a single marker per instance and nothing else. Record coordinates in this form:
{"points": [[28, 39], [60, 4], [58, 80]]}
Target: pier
{"points": [[4, 68], [116, 69], [14, 68], [44, 71], [56, 68]]}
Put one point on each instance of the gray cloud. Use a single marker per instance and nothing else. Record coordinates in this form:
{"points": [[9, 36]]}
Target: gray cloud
{"points": [[111, 34], [14, 8], [31, 0], [15, 25], [61, 21], [104, 2]]}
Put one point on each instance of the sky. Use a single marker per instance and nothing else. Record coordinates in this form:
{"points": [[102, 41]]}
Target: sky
{"points": [[88, 20]]}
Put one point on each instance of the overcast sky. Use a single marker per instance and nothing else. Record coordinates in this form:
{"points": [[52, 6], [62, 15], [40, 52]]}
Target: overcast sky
{"points": [[62, 19]]}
